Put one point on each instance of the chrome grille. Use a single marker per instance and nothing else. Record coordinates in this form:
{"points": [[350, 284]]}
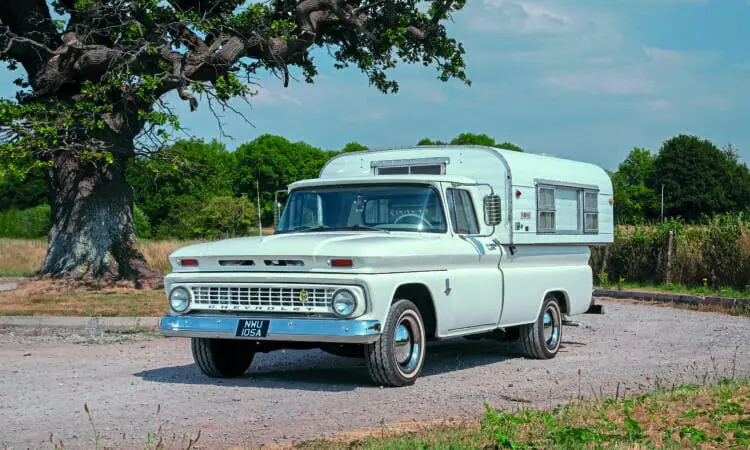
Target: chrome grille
{"points": [[262, 298]]}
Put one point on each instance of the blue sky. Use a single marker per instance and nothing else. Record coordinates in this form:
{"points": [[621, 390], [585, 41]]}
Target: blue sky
{"points": [[582, 79]]}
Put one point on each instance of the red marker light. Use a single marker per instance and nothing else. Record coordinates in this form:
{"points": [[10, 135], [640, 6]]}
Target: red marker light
{"points": [[518, 193], [188, 262], [342, 263]]}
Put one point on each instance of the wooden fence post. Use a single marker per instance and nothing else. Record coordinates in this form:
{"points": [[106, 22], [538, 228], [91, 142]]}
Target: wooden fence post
{"points": [[668, 275]]}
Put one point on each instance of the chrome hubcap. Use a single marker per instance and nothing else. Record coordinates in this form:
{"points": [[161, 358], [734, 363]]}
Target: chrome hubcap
{"points": [[551, 326], [407, 344]]}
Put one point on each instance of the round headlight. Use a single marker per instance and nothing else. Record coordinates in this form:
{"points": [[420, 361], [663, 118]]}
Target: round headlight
{"points": [[344, 303], [179, 299]]}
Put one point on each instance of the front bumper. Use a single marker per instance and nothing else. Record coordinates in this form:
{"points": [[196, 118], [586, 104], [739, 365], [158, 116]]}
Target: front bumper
{"points": [[299, 330]]}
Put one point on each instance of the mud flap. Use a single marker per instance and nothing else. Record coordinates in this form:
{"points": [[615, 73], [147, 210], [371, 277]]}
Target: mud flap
{"points": [[594, 308]]}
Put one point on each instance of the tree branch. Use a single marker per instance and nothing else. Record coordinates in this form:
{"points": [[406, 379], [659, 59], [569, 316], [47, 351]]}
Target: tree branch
{"points": [[29, 20]]}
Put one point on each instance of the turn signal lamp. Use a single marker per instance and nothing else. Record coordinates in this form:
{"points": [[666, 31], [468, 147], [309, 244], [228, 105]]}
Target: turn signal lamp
{"points": [[188, 262], [342, 263]]}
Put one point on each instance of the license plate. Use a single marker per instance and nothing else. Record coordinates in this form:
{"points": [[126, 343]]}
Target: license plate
{"points": [[252, 328]]}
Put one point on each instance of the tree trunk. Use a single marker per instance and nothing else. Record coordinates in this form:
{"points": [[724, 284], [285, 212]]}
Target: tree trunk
{"points": [[93, 236]]}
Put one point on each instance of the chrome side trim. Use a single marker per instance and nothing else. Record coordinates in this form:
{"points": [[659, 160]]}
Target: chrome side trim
{"points": [[294, 329]]}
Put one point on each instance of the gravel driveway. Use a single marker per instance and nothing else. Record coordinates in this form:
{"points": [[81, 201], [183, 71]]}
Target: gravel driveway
{"points": [[45, 380]]}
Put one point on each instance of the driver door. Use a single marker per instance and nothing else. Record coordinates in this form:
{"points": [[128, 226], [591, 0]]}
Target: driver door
{"points": [[477, 281]]}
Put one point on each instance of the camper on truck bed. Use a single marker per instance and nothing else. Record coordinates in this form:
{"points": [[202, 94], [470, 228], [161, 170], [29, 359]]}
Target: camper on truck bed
{"points": [[390, 249]]}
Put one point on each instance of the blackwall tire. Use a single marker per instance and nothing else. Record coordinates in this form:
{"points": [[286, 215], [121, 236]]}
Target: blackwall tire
{"points": [[397, 358], [541, 339], [222, 358]]}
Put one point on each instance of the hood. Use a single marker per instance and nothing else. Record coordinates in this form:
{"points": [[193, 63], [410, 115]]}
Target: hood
{"points": [[313, 251]]}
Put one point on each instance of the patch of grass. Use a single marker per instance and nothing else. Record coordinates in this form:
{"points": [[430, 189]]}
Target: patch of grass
{"points": [[21, 257], [689, 416], [41, 299]]}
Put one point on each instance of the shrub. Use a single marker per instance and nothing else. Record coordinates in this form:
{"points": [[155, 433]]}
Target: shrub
{"points": [[715, 254], [28, 223], [141, 223], [215, 218]]}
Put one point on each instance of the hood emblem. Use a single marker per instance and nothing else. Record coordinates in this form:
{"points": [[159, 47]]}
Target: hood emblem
{"points": [[304, 296]]}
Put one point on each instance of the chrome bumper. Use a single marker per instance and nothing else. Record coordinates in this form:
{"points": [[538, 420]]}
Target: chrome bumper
{"points": [[300, 330]]}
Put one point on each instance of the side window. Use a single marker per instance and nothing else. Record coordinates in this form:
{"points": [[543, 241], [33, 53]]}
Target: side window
{"points": [[462, 212], [546, 210], [590, 212], [567, 210]]}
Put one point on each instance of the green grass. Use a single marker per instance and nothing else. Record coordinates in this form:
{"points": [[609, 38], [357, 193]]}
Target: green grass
{"points": [[686, 417]]}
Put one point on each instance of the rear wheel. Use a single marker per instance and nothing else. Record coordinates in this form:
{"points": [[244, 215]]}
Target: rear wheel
{"points": [[541, 339], [396, 359], [222, 358]]}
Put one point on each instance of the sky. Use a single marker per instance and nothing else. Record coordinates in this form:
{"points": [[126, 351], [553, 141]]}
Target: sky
{"points": [[581, 79]]}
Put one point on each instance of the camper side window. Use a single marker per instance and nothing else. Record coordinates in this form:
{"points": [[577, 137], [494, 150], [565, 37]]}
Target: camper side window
{"points": [[546, 210], [559, 210], [590, 212], [462, 212]]}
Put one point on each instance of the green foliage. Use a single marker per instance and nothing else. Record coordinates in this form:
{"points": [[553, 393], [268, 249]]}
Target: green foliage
{"points": [[141, 223], [23, 190], [473, 139], [217, 217], [634, 200], [713, 255], [29, 223], [274, 162], [353, 147], [699, 178], [189, 170]]}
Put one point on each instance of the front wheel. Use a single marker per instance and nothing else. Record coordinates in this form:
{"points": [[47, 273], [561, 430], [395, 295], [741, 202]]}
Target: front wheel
{"points": [[222, 358], [396, 359], [541, 339]]}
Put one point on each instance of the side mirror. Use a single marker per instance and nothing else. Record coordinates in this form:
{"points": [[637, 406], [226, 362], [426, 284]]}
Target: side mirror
{"points": [[277, 207], [493, 214]]}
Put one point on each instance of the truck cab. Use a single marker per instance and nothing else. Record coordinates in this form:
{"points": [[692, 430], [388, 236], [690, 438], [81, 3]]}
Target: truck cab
{"points": [[387, 250]]}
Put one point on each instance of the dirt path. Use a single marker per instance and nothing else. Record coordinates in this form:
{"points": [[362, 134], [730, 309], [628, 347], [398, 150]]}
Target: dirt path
{"points": [[45, 381]]}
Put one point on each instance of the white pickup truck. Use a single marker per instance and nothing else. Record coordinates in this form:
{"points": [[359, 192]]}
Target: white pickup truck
{"points": [[389, 249]]}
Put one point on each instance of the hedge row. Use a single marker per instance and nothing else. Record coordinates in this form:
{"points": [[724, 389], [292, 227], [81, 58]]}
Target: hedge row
{"points": [[714, 254], [217, 217]]}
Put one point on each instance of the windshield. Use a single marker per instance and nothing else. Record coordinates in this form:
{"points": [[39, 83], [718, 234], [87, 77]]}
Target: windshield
{"points": [[374, 207]]}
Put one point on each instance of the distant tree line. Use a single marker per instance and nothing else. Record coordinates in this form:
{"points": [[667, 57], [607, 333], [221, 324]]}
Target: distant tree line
{"points": [[698, 179], [195, 189]]}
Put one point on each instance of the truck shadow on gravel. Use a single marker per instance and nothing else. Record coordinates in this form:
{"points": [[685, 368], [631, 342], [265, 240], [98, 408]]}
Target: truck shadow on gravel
{"points": [[318, 371]]}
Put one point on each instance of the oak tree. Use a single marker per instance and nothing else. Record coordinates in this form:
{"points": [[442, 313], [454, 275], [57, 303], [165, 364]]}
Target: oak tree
{"points": [[94, 75]]}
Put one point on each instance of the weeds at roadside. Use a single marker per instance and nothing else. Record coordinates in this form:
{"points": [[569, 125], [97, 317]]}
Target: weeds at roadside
{"points": [[156, 440], [688, 416]]}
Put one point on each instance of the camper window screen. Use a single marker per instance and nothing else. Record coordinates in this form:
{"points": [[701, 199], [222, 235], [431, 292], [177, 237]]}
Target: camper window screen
{"points": [[590, 212], [546, 219]]}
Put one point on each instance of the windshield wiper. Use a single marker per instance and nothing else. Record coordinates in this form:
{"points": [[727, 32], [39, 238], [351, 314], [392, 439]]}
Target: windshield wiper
{"points": [[365, 227], [305, 228], [308, 229]]}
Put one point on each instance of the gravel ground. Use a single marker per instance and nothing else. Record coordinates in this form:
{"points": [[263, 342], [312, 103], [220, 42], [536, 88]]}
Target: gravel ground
{"points": [[46, 376]]}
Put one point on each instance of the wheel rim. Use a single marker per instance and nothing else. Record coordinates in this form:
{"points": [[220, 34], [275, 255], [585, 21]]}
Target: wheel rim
{"points": [[551, 326], [407, 343]]}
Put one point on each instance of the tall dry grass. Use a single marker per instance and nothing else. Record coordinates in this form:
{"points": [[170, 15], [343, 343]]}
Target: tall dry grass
{"points": [[20, 257]]}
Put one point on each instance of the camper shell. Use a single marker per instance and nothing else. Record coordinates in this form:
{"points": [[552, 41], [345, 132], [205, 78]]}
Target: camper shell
{"points": [[547, 200], [389, 249]]}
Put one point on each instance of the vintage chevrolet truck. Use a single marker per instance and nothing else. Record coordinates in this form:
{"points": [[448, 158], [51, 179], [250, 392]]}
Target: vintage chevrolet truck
{"points": [[389, 249]]}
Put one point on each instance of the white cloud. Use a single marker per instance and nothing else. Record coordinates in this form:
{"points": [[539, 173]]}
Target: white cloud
{"points": [[602, 82]]}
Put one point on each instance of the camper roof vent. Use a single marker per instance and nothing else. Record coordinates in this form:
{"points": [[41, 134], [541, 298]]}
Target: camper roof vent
{"points": [[421, 166]]}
